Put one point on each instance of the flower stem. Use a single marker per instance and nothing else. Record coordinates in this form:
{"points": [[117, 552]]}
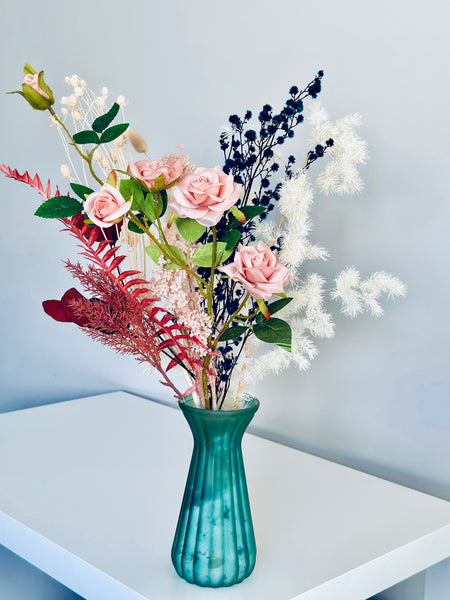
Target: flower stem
{"points": [[87, 157]]}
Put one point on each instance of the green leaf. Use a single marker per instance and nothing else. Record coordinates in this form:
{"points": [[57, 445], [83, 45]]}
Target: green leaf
{"points": [[154, 252], [102, 122], [274, 331], [250, 212], [232, 333], [113, 132], [231, 239], [179, 254], [59, 207], [164, 200], [203, 255], [238, 214], [81, 190], [150, 205], [131, 190], [190, 229], [86, 137], [273, 308], [133, 227]]}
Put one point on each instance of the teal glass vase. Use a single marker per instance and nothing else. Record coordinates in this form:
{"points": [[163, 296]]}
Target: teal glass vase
{"points": [[214, 543]]}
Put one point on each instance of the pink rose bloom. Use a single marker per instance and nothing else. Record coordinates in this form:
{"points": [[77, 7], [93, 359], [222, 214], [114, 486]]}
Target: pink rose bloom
{"points": [[149, 170], [33, 82], [259, 271], [204, 195], [106, 207]]}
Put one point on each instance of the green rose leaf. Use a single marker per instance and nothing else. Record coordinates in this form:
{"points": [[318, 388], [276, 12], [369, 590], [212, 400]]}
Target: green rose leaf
{"points": [[250, 212], [153, 201], [232, 333], [231, 239], [190, 229], [113, 132], [274, 331], [59, 207], [203, 255], [153, 252], [86, 137], [134, 228], [81, 190], [273, 308], [102, 122], [179, 254], [131, 190]]}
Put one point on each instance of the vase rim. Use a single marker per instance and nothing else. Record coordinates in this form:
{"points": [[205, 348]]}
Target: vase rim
{"points": [[252, 406]]}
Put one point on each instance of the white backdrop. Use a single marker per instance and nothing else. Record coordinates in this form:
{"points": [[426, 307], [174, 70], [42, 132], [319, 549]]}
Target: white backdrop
{"points": [[377, 397]]}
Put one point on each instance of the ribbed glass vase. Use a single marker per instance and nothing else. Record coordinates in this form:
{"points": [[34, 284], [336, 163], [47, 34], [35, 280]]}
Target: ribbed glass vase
{"points": [[214, 543]]}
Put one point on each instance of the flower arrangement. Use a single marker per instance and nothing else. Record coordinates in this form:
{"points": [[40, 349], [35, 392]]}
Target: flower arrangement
{"points": [[212, 286]]}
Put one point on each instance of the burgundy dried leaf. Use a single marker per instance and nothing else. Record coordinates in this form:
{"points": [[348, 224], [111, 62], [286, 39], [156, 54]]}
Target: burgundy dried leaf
{"points": [[63, 311]]}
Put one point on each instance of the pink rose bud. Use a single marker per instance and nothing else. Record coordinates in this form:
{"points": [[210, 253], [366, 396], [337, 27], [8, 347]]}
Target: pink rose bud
{"points": [[156, 174], [106, 207], [34, 89], [258, 270], [32, 81], [204, 195]]}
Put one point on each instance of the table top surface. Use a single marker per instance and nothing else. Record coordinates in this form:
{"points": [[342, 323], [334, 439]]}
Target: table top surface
{"points": [[90, 492]]}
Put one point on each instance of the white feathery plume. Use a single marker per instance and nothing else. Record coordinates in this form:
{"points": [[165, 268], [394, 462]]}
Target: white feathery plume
{"points": [[296, 199], [349, 150], [265, 230], [346, 291], [357, 296]]}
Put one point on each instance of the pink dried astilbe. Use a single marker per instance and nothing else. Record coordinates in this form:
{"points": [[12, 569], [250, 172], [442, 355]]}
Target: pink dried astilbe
{"points": [[180, 299]]}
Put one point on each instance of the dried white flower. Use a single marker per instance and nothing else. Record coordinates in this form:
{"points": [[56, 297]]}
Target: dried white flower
{"points": [[65, 171], [121, 100], [72, 101]]}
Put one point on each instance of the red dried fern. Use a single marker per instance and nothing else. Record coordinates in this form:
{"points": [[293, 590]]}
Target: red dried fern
{"points": [[154, 329], [34, 182]]}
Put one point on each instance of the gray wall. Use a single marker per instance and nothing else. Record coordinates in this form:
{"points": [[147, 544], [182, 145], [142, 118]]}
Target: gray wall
{"points": [[377, 397]]}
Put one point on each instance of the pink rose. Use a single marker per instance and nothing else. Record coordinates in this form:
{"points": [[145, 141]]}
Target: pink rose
{"points": [[204, 195], [149, 170], [33, 82], [259, 271], [106, 207]]}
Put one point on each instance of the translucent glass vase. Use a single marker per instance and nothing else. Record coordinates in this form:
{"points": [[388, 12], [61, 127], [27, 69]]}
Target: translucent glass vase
{"points": [[214, 543]]}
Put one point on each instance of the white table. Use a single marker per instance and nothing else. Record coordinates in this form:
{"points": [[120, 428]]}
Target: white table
{"points": [[90, 492]]}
